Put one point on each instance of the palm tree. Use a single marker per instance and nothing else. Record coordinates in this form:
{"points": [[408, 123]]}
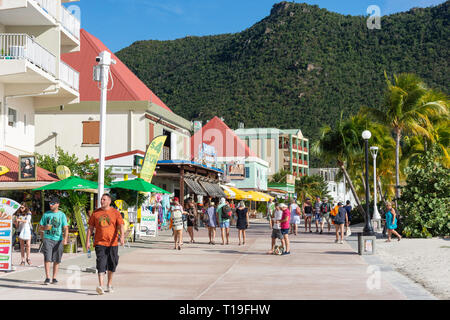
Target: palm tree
{"points": [[341, 145], [409, 104], [311, 186]]}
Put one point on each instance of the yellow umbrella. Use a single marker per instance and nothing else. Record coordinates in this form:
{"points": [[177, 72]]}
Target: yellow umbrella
{"points": [[265, 195], [241, 195]]}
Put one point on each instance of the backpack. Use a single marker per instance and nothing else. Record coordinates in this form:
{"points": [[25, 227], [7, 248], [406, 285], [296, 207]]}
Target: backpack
{"points": [[226, 212], [324, 208]]}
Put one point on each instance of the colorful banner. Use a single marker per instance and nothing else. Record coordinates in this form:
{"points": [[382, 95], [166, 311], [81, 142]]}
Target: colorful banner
{"points": [[7, 208], [152, 157]]}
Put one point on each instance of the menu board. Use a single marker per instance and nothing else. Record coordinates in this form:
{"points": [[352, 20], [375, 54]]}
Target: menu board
{"points": [[149, 222], [7, 208]]}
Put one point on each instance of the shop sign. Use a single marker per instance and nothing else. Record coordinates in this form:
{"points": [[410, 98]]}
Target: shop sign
{"points": [[149, 222], [236, 171], [7, 208], [290, 179], [27, 168]]}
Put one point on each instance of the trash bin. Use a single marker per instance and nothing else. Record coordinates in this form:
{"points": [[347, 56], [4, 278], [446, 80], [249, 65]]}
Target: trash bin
{"points": [[71, 246], [366, 244]]}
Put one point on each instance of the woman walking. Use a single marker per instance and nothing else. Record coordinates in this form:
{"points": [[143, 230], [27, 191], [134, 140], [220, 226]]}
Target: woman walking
{"points": [[242, 221], [23, 226], [177, 223], [212, 221], [391, 222], [340, 220], [191, 219], [295, 217], [307, 211]]}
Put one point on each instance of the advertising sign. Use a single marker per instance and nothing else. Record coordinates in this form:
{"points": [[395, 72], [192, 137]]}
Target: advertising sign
{"points": [[7, 208], [207, 154], [152, 157], [63, 172], [27, 168], [149, 222], [236, 171]]}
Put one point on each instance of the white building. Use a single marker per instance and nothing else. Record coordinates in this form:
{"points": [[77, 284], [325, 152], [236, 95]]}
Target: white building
{"points": [[33, 35], [337, 189]]}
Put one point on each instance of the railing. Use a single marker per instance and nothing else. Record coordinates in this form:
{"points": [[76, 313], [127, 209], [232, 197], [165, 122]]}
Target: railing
{"points": [[49, 6], [68, 75], [22, 46], [70, 23]]}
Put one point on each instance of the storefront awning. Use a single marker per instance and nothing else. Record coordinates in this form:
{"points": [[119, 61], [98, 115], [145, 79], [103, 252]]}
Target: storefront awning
{"points": [[195, 187], [212, 189], [230, 194]]}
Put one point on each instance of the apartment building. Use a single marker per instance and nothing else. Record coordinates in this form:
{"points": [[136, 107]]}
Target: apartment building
{"points": [[135, 115], [282, 149], [33, 36]]}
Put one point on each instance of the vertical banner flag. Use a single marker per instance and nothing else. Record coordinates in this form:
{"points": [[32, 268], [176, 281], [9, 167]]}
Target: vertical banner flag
{"points": [[152, 157], [7, 208]]}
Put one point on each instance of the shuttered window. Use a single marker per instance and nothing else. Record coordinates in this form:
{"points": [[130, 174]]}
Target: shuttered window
{"points": [[91, 132]]}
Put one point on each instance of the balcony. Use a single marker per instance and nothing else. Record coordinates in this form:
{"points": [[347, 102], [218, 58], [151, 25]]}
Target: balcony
{"points": [[69, 76], [28, 12], [70, 23], [18, 53]]}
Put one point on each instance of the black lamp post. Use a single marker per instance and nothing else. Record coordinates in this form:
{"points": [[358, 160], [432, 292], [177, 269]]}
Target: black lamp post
{"points": [[368, 229]]}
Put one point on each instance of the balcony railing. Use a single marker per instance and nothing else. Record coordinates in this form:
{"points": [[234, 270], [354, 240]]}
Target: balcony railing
{"points": [[49, 6], [70, 22], [21, 46], [68, 75]]}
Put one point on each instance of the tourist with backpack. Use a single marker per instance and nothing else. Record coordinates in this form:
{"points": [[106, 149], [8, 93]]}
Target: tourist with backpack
{"points": [[317, 214], [224, 215], [276, 230], [325, 209]]}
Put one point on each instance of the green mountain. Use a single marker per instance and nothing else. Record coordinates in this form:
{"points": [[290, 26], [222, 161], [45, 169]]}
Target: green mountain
{"points": [[297, 68]]}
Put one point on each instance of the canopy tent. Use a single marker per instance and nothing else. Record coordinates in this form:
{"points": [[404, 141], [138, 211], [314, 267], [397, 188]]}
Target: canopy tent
{"points": [[137, 185], [259, 196], [241, 195], [71, 183], [230, 194]]}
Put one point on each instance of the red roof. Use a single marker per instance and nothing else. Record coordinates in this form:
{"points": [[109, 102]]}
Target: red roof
{"points": [[217, 134], [127, 87], [12, 163]]}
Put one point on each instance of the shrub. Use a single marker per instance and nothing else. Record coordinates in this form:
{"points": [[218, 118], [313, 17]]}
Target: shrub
{"points": [[425, 202]]}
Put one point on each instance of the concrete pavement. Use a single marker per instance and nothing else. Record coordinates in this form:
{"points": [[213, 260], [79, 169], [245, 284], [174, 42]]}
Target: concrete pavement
{"points": [[317, 268]]}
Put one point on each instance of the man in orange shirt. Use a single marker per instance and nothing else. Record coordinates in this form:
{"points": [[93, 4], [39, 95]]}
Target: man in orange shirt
{"points": [[107, 223]]}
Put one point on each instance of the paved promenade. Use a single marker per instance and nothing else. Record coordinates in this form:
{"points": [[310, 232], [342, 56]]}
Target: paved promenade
{"points": [[317, 268]]}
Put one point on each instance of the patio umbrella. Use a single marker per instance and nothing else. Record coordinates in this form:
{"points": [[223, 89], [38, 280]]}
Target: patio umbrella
{"points": [[71, 183], [138, 185]]}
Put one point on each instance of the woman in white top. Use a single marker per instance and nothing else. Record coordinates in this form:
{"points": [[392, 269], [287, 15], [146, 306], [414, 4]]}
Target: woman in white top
{"points": [[23, 226], [295, 218], [177, 223]]}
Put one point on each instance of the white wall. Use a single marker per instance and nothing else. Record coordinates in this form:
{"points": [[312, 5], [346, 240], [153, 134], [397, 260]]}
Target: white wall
{"points": [[20, 139]]}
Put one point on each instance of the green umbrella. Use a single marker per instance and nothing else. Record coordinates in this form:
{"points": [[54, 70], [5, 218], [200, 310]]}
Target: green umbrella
{"points": [[71, 183], [137, 185]]}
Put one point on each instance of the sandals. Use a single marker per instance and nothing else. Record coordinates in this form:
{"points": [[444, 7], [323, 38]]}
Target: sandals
{"points": [[22, 263], [29, 261]]}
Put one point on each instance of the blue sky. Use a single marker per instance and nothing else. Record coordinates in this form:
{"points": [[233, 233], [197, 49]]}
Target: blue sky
{"points": [[118, 23]]}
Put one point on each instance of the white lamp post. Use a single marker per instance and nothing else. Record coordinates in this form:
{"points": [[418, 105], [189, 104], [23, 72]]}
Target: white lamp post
{"points": [[376, 215], [101, 74], [368, 230]]}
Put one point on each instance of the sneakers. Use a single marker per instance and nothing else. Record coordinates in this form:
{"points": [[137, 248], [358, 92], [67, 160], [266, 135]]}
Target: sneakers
{"points": [[54, 281], [336, 241], [47, 281], [100, 290], [110, 289], [341, 242], [285, 253]]}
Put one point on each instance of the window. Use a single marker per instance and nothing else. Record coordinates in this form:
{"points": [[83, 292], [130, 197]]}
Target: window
{"points": [[91, 132], [12, 117], [247, 172]]}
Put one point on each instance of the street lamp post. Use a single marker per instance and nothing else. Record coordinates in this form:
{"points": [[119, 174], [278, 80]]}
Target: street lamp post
{"points": [[368, 230], [376, 215]]}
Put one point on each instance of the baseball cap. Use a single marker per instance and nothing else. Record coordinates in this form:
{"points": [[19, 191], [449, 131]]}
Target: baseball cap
{"points": [[176, 199], [283, 205], [340, 204]]}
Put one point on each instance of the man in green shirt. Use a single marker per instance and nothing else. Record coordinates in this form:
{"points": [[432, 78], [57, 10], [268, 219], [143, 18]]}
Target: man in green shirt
{"points": [[53, 223]]}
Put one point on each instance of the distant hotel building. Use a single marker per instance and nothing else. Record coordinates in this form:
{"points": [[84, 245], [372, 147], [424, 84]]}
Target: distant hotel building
{"points": [[282, 149]]}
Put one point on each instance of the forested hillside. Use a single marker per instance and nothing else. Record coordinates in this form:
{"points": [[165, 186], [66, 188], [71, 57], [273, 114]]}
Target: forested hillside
{"points": [[297, 68]]}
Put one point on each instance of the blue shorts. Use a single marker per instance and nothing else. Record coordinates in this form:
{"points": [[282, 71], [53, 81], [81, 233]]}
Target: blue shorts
{"points": [[225, 224], [284, 231], [318, 218]]}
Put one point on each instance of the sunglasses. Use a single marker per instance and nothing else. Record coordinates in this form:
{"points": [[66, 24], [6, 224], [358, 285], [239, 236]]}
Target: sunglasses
{"points": [[53, 203]]}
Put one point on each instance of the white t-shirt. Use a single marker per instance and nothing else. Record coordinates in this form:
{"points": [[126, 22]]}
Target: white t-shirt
{"points": [[277, 216], [177, 216]]}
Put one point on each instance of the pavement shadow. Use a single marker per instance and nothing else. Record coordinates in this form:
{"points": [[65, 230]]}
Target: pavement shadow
{"points": [[339, 253], [40, 286], [237, 252]]}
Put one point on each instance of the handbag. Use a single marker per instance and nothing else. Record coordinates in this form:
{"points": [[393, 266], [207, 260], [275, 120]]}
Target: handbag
{"points": [[349, 232]]}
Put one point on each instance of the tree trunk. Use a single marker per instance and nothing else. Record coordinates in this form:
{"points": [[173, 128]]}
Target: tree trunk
{"points": [[398, 136], [341, 165]]}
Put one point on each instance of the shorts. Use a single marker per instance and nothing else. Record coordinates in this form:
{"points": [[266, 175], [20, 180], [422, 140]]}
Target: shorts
{"points": [[107, 258], [225, 224], [284, 231], [52, 250], [308, 215], [318, 218], [276, 234], [295, 219]]}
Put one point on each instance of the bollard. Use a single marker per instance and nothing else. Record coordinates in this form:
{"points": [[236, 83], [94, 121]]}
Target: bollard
{"points": [[366, 244]]}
